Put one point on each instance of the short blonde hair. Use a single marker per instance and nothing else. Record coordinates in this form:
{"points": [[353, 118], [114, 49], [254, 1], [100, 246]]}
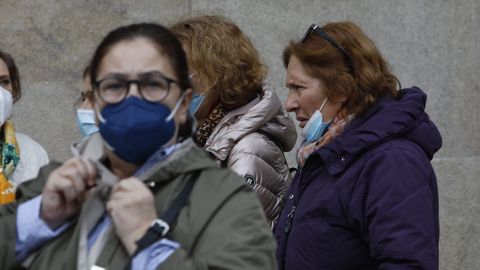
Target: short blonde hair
{"points": [[223, 57]]}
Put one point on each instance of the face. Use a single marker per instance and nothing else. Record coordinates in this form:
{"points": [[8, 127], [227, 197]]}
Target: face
{"points": [[134, 57], [5, 81], [306, 94], [209, 99], [87, 100]]}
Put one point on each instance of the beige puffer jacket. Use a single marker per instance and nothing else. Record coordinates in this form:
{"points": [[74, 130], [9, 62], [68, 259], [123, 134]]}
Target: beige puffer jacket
{"points": [[249, 140]]}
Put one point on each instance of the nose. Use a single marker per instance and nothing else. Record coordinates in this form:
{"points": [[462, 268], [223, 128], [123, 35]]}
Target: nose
{"points": [[133, 89], [87, 96], [291, 104]]}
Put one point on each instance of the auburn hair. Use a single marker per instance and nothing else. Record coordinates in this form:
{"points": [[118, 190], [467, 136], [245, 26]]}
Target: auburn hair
{"points": [[361, 79], [224, 58]]}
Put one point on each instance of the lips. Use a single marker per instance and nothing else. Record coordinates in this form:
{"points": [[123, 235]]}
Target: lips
{"points": [[302, 121]]}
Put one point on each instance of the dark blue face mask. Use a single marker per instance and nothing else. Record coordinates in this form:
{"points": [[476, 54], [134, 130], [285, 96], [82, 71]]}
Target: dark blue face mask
{"points": [[135, 128]]}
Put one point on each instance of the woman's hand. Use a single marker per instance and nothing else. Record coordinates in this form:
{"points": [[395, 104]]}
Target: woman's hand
{"points": [[132, 209], [66, 190]]}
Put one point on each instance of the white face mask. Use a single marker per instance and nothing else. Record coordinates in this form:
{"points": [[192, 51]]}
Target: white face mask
{"points": [[6, 102]]}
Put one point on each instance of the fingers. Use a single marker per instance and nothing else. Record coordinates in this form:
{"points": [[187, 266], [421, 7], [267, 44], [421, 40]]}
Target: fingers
{"points": [[128, 184], [72, 179], [86, 170], [129, 191], [91, 172], [133, 186], [70, 185], [132, 208], [66, 190]]}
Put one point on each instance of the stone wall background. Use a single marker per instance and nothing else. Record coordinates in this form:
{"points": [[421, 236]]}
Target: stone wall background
{"points": [[434, 44]]}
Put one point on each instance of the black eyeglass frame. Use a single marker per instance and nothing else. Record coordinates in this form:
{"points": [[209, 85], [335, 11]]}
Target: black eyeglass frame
{"points": [[169, 81], [329, 39]]}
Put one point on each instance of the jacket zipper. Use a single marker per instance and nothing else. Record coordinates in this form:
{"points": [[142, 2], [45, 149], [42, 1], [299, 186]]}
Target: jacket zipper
{"points": [[289, 220], [291, 214]]}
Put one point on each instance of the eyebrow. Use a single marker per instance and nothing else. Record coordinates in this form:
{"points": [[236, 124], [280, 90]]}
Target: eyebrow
{"points": [[295, 82], [4, 77], [147, 74]]}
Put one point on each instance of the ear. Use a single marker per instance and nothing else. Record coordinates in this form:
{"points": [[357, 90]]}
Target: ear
{"points": [[339, 99], [183, 110]]}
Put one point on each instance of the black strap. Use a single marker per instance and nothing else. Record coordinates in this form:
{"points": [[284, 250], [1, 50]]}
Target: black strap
{"points": [[156, 232]]}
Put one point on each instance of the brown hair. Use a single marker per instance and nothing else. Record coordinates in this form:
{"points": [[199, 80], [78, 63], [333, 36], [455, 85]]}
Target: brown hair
{"points": [[223, 57], [14, 75], [162, 38], [86, 72], [362, 79]]}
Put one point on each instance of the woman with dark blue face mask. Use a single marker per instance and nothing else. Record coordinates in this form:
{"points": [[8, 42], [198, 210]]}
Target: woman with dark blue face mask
{"points": [[139, 194]]}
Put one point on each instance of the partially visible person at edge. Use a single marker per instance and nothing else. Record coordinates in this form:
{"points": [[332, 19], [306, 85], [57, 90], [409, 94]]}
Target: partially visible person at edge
{"points": [[365, 195], [153, 196], [241, 121], [85, 113], [20, 156]]}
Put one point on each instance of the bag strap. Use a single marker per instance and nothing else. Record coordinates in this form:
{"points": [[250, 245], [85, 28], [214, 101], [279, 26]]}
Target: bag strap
{"points": [[160, 227]]}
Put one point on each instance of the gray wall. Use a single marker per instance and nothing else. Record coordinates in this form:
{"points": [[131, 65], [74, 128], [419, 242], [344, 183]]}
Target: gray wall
{"points": [[433, 44]]}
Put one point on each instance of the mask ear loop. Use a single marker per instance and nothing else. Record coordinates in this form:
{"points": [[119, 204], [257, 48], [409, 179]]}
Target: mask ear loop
{"points": [[323, 104], [98, 113], [103, 121], [174, 111]]}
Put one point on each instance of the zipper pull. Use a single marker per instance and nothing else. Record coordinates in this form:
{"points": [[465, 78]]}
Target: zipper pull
{"points": [[290, 219]]}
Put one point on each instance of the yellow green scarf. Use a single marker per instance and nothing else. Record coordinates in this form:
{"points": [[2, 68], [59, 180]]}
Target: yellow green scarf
{"points": [[10, 156]]}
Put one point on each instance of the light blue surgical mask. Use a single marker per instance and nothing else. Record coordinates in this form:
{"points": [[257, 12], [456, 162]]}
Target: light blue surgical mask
{"points": [[86, 122], [315, 127], [196, 103]]}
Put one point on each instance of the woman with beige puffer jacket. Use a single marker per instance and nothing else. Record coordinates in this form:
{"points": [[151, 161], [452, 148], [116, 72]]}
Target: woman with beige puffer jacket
{"points": [[250, 140], [241, 121]]}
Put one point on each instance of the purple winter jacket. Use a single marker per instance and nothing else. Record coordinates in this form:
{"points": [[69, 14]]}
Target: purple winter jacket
{"points": [[368, 199]]}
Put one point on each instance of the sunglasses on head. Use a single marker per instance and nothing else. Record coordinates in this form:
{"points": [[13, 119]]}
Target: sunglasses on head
{"points": [[315, 28]]}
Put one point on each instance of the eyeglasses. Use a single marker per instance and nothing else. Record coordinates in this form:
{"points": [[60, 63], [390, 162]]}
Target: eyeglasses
{"points": [[325, 36], [152, 86]]}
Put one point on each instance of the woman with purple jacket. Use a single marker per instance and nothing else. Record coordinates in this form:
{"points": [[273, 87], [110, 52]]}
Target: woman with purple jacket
{"points": [[365, 194]]}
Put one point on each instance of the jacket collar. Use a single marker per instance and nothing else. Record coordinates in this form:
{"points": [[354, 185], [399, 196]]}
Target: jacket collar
{"points": [[187, 157], [385, 120], [265, 113]]}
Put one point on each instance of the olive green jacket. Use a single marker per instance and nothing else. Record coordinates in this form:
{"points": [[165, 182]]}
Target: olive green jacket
{"points": [[221, 227]]}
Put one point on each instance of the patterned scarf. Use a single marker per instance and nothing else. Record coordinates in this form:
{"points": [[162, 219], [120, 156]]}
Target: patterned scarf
{"points": [[10, 156], [335, 129], [202, 133]]}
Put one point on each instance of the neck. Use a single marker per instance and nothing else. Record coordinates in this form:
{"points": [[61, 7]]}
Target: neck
{"points": [[120, 167]]}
